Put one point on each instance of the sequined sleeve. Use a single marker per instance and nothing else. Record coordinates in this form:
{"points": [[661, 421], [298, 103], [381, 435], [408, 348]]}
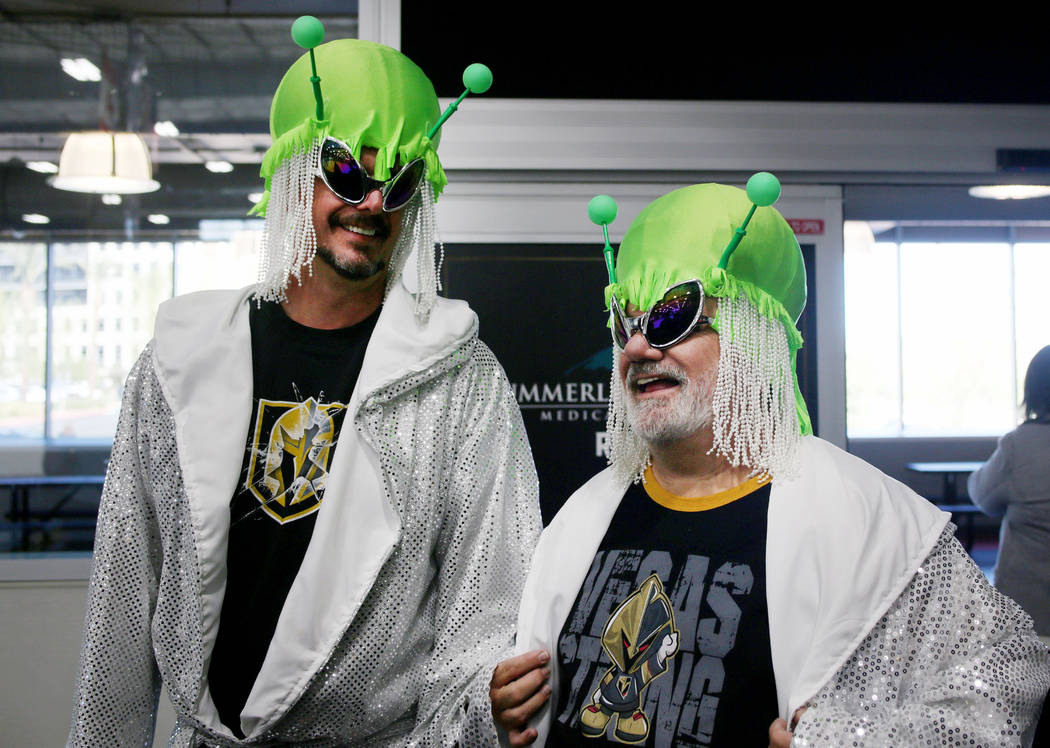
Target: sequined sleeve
{"points": [[953, 662], [118, 683], [490, 529]]}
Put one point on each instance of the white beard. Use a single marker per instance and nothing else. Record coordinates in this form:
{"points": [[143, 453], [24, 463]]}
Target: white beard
{"points": [[666, 419]]}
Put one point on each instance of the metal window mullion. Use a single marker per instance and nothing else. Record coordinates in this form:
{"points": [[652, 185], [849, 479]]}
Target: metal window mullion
{"points": [[1011, 235], [49, 296], [900, 335]]}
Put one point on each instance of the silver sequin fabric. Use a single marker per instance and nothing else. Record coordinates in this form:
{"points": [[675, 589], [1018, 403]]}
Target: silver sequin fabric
{"points": [[952, 663], [413, 667]]}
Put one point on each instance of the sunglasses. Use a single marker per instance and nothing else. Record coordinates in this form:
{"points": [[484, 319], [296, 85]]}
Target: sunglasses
{"points": [[346, 177], [674, 317]]}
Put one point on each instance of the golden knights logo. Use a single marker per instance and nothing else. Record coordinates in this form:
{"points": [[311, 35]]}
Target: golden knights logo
{"points": [[639, 637], [292, 446]]}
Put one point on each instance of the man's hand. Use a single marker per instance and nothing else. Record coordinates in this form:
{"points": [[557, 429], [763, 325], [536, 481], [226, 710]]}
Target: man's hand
{"points": [[518, 689], [779, 734]]}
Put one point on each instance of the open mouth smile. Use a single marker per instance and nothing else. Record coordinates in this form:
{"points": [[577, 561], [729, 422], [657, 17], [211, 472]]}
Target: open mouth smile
{"points": [[358, 230], [371, 232], [648, 384], [370, 227]]}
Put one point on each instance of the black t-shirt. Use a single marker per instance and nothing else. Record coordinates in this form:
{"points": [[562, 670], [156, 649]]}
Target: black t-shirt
{"points": [[302, 381], [667, 643]]}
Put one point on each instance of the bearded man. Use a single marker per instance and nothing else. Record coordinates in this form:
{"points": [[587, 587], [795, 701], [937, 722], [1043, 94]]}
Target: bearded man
{"points": [[320, 503], [731, 579]]}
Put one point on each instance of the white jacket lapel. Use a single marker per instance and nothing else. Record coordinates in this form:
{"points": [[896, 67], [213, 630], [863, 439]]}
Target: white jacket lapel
{"points": [[202, 353], [560, 564]]}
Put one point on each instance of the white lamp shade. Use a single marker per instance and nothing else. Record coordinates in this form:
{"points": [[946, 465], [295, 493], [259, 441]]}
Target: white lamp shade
{"points": [[105, 162]]}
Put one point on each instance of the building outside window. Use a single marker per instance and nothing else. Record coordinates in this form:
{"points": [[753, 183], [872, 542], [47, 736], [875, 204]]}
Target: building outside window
{"points": [[23, 314], [107, 292]]}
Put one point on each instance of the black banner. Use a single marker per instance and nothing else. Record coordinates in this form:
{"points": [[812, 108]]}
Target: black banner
{"points": [[541, 312]]}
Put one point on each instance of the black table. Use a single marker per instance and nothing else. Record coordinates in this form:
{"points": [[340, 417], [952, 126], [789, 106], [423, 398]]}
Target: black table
{"points": [[23, 518], [950, 495], [949, 471]]}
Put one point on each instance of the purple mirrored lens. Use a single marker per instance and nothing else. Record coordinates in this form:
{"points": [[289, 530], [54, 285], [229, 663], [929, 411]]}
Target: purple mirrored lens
{"points": [[404, 185], [342, 173], [672, 318]]}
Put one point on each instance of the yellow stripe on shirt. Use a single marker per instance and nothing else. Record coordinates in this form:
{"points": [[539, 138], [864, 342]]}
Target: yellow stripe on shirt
{"points": [[665, 498]]}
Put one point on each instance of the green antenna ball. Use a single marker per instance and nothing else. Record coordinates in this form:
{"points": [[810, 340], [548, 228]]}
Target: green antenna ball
{"points": [[477, 78], [307, 32], [602, 210], [763, 189]]}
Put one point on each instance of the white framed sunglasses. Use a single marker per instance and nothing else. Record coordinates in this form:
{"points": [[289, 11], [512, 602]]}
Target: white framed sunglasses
{"points": [[670, 320], [347, 179]]}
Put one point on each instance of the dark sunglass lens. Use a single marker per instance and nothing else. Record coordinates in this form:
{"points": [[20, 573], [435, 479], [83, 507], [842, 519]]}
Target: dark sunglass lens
{"points": [[672, 318], [342, 172], [404, 185]]}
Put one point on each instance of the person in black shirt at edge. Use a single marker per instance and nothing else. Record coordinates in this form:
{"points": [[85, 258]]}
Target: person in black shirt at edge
{"points": [[730, 579], [348, 573]]}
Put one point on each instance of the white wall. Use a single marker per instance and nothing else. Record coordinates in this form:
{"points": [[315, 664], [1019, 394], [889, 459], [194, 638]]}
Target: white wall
{"points": [[42, 624], [825, 142]]}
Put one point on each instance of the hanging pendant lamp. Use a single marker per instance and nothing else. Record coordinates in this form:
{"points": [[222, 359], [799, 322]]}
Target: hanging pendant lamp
{"points": [[105, 163]]}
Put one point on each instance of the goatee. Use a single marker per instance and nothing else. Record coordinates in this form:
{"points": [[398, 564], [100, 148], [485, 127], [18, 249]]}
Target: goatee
{"points": [[358, 269]]}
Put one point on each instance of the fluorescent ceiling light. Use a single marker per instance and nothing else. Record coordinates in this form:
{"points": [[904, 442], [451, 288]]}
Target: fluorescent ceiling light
{"points": [[109, 199], [1010, 191], [158, 218], [35, 218], [254, 197], [219, 167], [81, 68], [44, 167], [166, 129]]}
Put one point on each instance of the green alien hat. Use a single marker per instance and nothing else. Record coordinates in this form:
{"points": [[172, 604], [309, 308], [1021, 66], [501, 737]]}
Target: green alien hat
{"points": [[684, 235], [701, 232], [374, 97]]}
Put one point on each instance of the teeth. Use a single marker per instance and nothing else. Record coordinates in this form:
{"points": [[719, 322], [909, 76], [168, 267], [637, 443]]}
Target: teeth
{"points": [[359, 230], [641, 383]]}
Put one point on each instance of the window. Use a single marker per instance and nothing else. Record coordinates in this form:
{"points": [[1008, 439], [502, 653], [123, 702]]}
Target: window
{"points": [[939, 333], [104, 296], [217, 264], [23, 311]]}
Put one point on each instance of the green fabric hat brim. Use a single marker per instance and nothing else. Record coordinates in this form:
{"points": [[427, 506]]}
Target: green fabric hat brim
{"points": [[682, 235], [374, 97]]}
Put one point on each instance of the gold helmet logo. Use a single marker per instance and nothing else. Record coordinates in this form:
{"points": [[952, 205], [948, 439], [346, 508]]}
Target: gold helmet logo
{"points": [[289, 474], [640, 622]]}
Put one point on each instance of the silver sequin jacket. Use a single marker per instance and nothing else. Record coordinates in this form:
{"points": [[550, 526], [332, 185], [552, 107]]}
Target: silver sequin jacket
{"points": [[880, 624], [408, 592]]}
